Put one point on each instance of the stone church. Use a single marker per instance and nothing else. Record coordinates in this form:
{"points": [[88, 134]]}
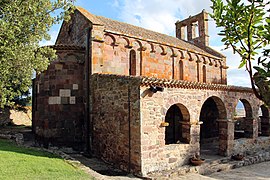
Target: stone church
{"points": [[142, 100]]}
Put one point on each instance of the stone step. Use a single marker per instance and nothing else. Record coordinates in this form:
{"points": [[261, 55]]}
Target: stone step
{"points": [[211, 166]]}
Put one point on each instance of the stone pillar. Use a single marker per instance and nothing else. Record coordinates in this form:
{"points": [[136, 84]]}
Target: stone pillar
{"points": [[190, 31], [251, 127], [185, 131], [265, 126], [195, 138], [226, 136]]}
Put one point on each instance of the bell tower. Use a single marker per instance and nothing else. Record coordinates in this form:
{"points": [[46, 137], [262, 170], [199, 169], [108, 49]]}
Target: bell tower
{"points": [[194, 29]]}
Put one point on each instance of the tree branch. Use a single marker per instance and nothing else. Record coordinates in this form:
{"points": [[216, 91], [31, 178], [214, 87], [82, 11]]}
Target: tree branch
{"points": [[237, 34]]}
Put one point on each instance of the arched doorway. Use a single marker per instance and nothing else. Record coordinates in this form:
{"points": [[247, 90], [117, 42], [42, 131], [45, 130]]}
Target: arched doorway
{"points": [[212, 111], [178, 130]]}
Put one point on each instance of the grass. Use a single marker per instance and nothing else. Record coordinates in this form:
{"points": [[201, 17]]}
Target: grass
{"points": [[27, 163]]}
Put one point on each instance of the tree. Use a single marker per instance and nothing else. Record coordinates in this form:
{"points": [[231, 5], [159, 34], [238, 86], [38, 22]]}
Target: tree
{"points": [[23, 24], [246, 29]]}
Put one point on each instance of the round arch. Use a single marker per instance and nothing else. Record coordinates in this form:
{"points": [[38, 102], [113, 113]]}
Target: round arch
{"points": [[109, 39], [265, 111], [248, 108], [243, 120], [178, 129], [222, 113], [213, 112]]}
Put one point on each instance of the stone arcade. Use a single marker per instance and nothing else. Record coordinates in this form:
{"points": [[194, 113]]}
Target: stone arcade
{"points": [[142, 100]]}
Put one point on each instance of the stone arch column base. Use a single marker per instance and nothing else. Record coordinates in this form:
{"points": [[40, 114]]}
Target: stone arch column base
{"points": [[195, 138], [265, 126], [251, 128], [226, 137]]}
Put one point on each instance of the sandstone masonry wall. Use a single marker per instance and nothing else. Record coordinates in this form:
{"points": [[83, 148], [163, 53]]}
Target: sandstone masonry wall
{"points": [[111, 55], [74, 31], [248, 146], [155, 154], [116, 121], [58, 105]]}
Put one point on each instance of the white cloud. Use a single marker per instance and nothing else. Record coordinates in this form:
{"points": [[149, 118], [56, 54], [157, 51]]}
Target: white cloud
{"points": [[158, 15], [53, 34], [116, 4]]}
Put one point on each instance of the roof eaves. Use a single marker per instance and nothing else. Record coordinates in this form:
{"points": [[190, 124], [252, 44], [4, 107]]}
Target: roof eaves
{"points": [[166, 44], [174, 83]]}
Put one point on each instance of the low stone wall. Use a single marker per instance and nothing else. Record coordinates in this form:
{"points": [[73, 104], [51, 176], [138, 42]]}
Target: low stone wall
{"points": [[250, 146], [170, 157]]}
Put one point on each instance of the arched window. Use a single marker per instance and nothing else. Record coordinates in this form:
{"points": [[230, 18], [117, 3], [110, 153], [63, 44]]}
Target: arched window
{"points": [[132, 63], [178, 130], [204, 73], [181, 70]]}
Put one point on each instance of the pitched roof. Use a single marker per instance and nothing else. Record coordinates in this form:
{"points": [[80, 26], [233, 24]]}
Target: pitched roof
{"points": [[128, 29]]}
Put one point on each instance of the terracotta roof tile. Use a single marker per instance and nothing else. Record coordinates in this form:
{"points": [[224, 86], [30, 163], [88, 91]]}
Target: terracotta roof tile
{"points": [[128, 29], [173, 83]]}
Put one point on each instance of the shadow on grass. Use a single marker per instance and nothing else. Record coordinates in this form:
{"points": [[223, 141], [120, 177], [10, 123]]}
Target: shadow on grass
{"points": [[99, 166], [10, 146]]}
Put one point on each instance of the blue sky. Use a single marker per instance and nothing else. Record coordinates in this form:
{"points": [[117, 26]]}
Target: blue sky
{"points": [[160, 15]]}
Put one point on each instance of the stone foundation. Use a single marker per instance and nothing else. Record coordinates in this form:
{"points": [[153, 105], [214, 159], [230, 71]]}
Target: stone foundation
{"points": [[250, 146]]}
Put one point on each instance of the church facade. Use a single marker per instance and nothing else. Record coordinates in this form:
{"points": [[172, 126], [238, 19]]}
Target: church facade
{"points": [[142, 100]]}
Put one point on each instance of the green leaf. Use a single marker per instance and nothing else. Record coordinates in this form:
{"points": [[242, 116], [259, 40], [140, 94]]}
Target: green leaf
{"points": [[22, 25], [242, 64]]}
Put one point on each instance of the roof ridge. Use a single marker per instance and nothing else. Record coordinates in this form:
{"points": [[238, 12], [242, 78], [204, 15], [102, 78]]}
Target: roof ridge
{"points": [[143, 28]]}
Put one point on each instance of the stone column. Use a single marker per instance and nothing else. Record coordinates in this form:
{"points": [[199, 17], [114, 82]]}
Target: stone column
{"points": [[185, 131], [195, 138], [265, 126], [190, 31], [251, 127], [226, 136]]}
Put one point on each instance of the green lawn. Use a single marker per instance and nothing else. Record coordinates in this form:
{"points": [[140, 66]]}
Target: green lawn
{"points": [[25, 163]]}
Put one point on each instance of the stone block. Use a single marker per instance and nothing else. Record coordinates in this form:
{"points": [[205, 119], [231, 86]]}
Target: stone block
{"points": [[194, 139], [54, 100], [58, 66], [172, 160], [75, 86], [64, 100], [64, 92], [72, 100]]}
